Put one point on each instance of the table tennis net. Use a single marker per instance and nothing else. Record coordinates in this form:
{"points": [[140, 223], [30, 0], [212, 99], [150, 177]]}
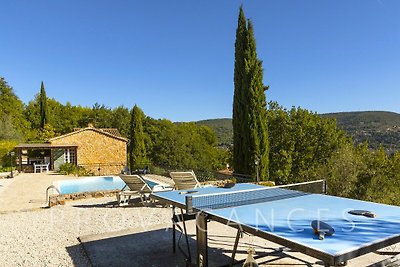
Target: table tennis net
{"points": [[252, 196]]}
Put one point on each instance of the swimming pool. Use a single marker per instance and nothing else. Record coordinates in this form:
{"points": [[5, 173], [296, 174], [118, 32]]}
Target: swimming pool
{"points": [[93, 184]]}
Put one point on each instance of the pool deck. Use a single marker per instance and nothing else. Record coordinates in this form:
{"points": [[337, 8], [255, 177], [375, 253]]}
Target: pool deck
{"points": [[4, 174], [27, 191]]}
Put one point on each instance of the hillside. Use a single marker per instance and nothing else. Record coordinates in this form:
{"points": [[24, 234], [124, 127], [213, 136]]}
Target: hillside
{"points": [[376, 127], [222, 128]]}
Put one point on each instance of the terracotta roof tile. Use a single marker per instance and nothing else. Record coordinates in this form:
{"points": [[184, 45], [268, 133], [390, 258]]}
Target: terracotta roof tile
{"points": [[112, 131]]}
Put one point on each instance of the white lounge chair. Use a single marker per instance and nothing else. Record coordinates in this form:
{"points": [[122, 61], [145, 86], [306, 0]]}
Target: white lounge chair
{"points": [[137, 186], [185, 180]]}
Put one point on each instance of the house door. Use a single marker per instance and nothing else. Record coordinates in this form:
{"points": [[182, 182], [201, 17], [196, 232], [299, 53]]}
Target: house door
{"points": [[58, 158], [62, 156]]}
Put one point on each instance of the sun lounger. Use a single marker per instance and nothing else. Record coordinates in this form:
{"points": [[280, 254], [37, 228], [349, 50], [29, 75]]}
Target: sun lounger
{"points": [[136, 185], [185, 180]]}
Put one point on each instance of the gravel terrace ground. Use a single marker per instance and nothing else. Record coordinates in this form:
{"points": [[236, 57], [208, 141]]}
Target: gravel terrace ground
{"points": [[33, 236], [42, 237], [48, 237]]}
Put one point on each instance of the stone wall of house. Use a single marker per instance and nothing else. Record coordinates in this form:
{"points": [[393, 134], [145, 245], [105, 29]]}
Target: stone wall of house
{"points": [[97, 152]]}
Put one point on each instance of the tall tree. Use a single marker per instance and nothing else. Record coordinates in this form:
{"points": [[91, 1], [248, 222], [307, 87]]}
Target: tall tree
{"points": [[257, 113], [120, 120], [302, 144], [101, 115], [136, 148], [250, 124], [12, 120], [7, 129], [240, 144], [43, 106]]}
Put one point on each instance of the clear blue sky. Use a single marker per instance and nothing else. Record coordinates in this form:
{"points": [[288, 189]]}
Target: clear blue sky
{"points": [[175, 58]]}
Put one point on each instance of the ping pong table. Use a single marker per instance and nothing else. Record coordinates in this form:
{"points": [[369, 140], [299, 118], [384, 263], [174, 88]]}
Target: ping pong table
{"points": [[284, 216]]}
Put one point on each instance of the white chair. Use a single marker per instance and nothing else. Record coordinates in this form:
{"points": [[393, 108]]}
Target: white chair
{"points": [[137, 186], [185, 180], [41, 167], [47, 167]]}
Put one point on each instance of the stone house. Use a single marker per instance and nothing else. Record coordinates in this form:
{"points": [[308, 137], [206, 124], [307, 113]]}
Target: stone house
{"points": [[101, 151]]}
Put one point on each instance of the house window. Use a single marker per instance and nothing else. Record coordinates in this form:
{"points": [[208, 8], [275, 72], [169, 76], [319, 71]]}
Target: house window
{"points": [[69, 156]]}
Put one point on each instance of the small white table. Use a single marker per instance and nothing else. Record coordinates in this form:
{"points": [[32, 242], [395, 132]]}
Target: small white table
{"points": [[41, 167]]}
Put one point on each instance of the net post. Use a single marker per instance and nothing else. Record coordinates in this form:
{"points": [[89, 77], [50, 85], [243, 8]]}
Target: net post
{"points": [[189, 204], [325, 187]]}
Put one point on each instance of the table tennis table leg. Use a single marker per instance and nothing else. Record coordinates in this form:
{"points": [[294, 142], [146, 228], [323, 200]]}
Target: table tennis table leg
{"points": [[238, 235], [202, 246], [173, 231], [177, 218], [189, 257]]}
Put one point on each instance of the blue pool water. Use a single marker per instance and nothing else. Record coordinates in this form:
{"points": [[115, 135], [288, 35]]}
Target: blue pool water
{"points": [[93, 184]]}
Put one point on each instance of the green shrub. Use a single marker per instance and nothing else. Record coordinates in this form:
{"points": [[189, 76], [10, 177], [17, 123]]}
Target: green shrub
{"points": [[71, 168], [6, 169], [68, 168], [81, 171], [205, 175], [158, 170], [5, 147]]}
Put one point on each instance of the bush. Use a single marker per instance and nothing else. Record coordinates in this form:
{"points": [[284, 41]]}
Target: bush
{"points": [[205, 175], [6, 169], [159, 170], [81, 171], [71, 168], [5, 147], [68, 168]]}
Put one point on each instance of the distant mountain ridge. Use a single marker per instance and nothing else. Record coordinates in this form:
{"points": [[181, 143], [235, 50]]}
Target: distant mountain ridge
{"points": [[376, 127]]}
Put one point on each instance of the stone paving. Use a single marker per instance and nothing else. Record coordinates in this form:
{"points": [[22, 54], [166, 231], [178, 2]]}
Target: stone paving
{"points": [[26, 191], [4, 182]]}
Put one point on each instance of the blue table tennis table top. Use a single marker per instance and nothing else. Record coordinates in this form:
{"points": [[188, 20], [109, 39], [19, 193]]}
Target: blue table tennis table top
{"points": [[291, 218]]}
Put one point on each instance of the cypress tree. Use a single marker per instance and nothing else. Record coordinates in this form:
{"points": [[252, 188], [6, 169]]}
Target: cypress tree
{"points": [[239, 143], [257, 116], [136, 147], [249, 106], [43, 106]]}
